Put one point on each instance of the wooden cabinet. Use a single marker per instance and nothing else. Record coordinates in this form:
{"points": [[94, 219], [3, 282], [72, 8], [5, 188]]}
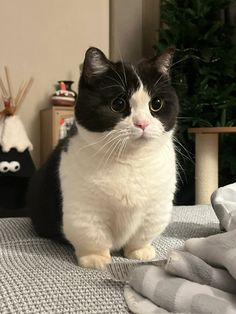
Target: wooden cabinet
{"points": [[50, 121]]}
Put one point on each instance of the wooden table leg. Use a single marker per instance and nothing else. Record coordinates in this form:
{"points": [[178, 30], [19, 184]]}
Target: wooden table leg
{"points": [[206, 167]]}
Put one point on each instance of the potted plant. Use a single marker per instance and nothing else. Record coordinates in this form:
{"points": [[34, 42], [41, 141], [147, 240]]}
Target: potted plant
{"points": [[203, 73]]}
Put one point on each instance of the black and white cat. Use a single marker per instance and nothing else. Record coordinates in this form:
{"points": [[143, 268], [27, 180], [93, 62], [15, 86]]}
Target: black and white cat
{"points": [[111, 183]]}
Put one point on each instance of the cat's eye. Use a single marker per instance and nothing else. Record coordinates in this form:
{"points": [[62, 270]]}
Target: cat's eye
{"points": [[118, 105], [156, 104]]}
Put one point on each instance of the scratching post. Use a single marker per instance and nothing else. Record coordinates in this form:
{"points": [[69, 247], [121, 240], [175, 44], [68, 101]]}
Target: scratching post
{"points": [[206, 167]]}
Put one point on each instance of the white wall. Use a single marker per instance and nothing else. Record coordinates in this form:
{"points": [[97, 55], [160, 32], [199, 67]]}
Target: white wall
{"points": [[134, 28], [126, 30], [47, 39], [151, 25]]}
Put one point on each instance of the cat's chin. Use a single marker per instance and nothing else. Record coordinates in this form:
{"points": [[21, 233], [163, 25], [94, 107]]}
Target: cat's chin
{"points": [[143, 137], [141, 141]]}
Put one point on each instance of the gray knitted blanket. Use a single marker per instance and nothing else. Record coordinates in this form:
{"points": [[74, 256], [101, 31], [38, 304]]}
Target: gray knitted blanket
{"points": [[40, 276], [201, 278]]}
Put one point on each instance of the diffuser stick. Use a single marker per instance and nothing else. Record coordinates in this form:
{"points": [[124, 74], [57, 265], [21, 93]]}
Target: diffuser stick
{"points": [[19, 93], [4, 91], [24, 93], [9, 84]]}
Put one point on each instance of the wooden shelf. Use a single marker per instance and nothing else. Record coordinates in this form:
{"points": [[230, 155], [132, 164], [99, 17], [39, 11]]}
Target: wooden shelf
{"points": [[50, 119], [213, 130]]}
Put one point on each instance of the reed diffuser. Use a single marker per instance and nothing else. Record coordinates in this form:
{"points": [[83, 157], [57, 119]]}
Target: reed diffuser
{"points": [[13, 103]]}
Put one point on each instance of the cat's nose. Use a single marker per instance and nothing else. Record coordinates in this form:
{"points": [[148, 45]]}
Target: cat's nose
{"points": [[142, 124]]}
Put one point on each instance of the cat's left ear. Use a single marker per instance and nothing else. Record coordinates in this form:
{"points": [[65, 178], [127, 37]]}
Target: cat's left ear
{"points": [[164, 61], [95, 63]]}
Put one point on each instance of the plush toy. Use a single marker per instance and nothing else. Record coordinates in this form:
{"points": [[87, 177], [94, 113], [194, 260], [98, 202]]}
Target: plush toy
{"points": [[16, 165]]}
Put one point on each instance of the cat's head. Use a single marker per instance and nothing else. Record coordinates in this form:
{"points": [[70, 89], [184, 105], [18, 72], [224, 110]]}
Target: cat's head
{"points": [[132, 103]]}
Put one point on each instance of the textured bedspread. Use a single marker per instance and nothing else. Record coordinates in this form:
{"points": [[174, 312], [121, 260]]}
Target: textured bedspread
{"points": [[41, 276]]}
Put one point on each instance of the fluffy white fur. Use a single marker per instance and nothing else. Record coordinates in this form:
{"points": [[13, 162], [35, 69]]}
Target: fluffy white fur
{"points": [[114, 200]]}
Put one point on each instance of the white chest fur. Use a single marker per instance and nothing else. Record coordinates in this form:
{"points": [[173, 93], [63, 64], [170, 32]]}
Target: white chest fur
{"points": [[117, 196]]}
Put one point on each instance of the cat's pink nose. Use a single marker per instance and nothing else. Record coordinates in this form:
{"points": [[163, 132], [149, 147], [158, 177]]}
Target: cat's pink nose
{"points": [[142, 124]]}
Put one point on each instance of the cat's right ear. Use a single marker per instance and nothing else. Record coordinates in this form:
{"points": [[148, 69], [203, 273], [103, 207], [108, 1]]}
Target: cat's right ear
{"points": [[95, 63], [164, 61]]}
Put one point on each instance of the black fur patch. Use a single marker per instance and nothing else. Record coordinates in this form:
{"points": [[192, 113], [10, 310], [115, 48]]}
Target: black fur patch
{"points": [[44, 197], [94, 98], [96, 91], [100, 83], [158, 84]]}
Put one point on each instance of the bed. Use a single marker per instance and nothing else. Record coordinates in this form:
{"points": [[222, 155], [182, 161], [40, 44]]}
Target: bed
{"points": [[41, 276]]}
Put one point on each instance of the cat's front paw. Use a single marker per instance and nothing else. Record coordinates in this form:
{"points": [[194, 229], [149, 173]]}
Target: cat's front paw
{"points": [[94, 261], [145, 253]]}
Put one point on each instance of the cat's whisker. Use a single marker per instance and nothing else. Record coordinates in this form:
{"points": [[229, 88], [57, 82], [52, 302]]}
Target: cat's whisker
{"points": [[110, 141], [179, 169], [112, 151], [183, 117], [162, 84], [123, 132], [163, 92], [162, 89], [113, 79], [178, 142], [179, 61], [121, 148], [118, 82], [124, 146], [174, 64], [102, 138], [123, 67], [166, 80], [109, 152], [124, 72], [112, 86], [183, 155], [156, 133], [121, 80], [158, 80], [188, 156], [179, 166]]}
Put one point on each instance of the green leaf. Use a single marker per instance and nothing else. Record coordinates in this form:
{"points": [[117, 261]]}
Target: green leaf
{"points": [[215, 27], [206, 81]]}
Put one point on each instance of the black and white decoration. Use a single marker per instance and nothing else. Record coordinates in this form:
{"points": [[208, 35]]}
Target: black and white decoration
{"points": [[16, 165]]}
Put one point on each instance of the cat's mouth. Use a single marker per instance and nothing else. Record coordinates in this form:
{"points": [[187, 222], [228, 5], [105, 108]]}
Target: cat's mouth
{"points": [[142, 136]]}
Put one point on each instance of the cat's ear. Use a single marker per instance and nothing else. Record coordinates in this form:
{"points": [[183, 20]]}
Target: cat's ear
{"points": [[164, 61], [95, 63]]}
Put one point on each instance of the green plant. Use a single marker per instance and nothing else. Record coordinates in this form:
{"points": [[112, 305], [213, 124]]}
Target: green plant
{"points": [[204, 69]]}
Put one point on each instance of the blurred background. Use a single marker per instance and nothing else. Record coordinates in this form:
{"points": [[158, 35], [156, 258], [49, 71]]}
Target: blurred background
{"points": [[48, 39]]}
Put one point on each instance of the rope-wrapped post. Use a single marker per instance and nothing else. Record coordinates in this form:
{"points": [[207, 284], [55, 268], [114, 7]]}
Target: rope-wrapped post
{"points": [[206, 167], [206, 164]]}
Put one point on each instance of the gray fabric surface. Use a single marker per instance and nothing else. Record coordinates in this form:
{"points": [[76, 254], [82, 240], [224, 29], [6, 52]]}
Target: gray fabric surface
{"points": [[199, 279], [41, 276], [224, 203], [189, 266], [189, 284]]}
